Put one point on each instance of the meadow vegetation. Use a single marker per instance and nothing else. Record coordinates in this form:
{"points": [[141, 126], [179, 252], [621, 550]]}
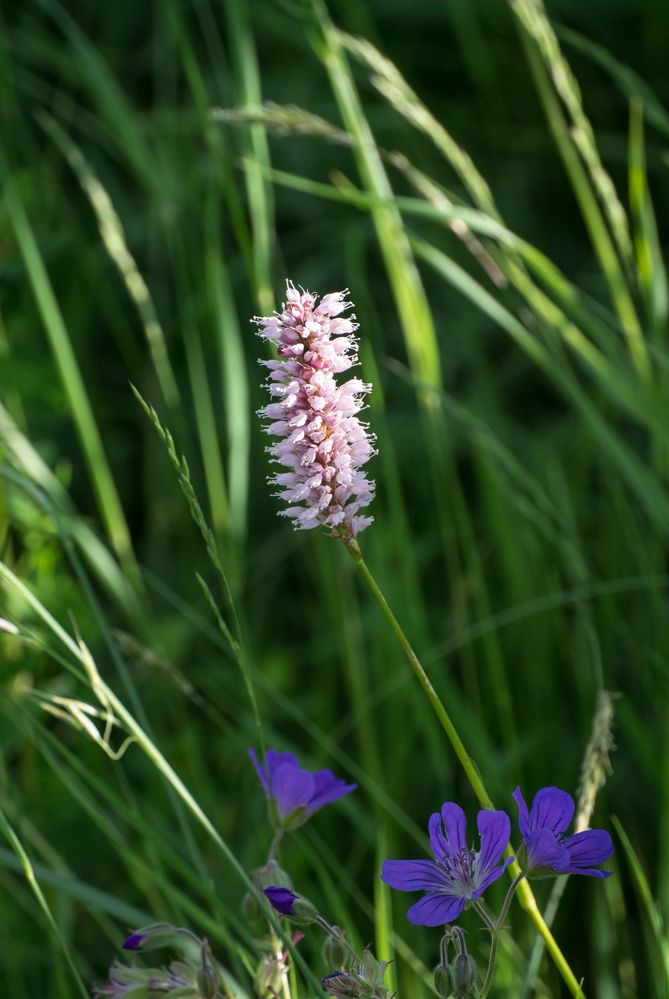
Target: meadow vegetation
{"points": [[489, 180]]}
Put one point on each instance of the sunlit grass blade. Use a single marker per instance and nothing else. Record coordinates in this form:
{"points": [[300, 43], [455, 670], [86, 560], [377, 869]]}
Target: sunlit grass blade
{"points": [[633, 86], [82, 412], [405, 283], [234, 635], [89, 65], [260, 194], [650, 266], [658, 944], [392, 85], [31, 878], [639, 479], [114, 240], [34, 476], [599, 205], [234, 381]]}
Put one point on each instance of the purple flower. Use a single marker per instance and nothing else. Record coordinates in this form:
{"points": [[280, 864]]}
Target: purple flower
{"points": [[153, 937], [281, 899], [458, 874], [295, 794], [133, 942], [322, 443], [543, 830]]}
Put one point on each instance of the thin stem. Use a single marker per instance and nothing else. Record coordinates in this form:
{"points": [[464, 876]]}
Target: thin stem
{"points": [[507, 901], [525, 894], [274, 845], [439, 709], [490, 973], [495, 926], [489, 921]]}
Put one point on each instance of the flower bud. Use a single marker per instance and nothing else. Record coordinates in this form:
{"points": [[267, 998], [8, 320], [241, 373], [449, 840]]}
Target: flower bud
{"points": [[287, 903], [281, 899], [250, 907], [335, 953], [371, 970], [442, 981], [463, 975], [123, 981], [342, 985], [153, 937], [208, 975], [269, 975], [271, 874]]}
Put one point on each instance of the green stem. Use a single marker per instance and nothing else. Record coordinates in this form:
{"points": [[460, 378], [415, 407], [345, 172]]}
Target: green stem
{"points": [[507, 901], [490, 973], [492, 926], [489, 921], [525, 894], [274, 846], [414, 662]]}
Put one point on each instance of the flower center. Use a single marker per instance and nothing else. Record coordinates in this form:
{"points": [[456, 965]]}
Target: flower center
{"points": [[460, 869]]}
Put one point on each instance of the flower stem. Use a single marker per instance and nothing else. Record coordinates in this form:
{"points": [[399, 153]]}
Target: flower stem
{"points": [[525, 893], [507, 901], [274, 845], [432, 696], [495, 926], [492, 926], [490, 972]]}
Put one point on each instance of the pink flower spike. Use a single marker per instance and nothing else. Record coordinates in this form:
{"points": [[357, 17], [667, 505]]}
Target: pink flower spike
{"points": [[321, 441]]}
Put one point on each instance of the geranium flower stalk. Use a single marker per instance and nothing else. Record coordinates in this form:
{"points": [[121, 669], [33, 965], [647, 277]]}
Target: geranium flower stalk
{"points": [[322, 444]]}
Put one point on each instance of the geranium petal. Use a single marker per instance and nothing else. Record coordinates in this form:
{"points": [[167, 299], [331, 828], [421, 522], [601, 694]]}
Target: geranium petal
{"points": [[438, 843], [492, 875], [275, 759], [435, 909], [262, 776], [412, 875], [328, 788], [543, 850], [291, 788], [523, 813], [551, 809], [455, 826], [586, 850], [494, 828]]}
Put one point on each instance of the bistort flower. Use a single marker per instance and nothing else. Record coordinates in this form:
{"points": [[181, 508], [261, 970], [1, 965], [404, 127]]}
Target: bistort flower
{"points": [[458, 874], [543, 829], [294, 793], [322, 442]]}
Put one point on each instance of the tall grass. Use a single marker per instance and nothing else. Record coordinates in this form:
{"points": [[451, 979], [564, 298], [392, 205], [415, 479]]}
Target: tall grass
{"points": [[488, 183]]}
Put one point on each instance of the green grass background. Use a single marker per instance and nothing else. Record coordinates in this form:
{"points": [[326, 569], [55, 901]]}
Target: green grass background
{"points": [[497, 224]]}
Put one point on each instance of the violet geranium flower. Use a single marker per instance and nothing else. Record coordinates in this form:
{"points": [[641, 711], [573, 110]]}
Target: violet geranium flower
{"points": [[294, 793], [287, 903], [322, 443], [281, 899], [543, 829], [458, 874]]}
